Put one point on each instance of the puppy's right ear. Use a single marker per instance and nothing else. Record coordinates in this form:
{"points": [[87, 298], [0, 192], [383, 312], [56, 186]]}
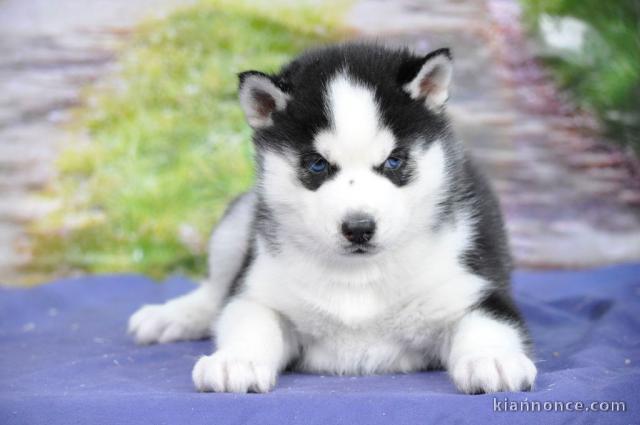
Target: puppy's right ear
{"points": [[260, 96]]}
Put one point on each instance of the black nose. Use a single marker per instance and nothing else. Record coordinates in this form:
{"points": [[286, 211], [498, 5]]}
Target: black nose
{"points": [[358, 228]]}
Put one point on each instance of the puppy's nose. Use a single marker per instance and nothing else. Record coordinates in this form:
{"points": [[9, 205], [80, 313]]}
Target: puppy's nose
{"points": [[358, 228]]}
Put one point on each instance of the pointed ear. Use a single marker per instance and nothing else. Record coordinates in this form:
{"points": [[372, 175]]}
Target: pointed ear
{"points": [[428, 78], [260, 96]]}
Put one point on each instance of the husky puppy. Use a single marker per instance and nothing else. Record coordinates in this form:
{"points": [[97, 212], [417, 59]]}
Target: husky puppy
{"points": [[370, 243]]}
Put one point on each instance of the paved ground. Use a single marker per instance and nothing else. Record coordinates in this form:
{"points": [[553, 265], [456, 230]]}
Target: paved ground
{"points": [[49, 50], [570, 200]]}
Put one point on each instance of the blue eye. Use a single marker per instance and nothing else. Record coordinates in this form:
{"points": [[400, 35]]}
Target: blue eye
{"points": [[320, 165], [392, 163]]}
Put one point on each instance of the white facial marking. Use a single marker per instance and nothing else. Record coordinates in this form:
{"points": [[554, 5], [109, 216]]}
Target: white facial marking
{"points": [[356, 142], [312, 218], [357, 135]]}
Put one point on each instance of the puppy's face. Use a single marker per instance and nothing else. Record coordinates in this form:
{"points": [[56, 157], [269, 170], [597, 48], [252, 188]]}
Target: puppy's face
{"points": [[350, 158]]}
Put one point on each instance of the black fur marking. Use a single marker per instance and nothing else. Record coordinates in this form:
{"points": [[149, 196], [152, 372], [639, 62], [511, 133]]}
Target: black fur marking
{"points": [[488, 255], [402, 175], [266, 225], [499, 304], [305, 81], [309, 179], [238, 280]]}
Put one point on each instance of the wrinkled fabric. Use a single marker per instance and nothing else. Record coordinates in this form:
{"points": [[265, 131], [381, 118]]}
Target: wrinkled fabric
{"points": [[65, 358]]}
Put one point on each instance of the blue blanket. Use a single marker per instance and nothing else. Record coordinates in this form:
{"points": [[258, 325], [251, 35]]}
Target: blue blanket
{"points": [[65, 359]]}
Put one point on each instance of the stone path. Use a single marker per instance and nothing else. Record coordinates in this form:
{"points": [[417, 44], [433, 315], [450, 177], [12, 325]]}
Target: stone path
{"points": [[570, 200], [49, 50]]}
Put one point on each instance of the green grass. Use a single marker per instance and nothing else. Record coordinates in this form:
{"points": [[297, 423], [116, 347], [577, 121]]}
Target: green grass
{"points": [[605, 76], [168, 146]]}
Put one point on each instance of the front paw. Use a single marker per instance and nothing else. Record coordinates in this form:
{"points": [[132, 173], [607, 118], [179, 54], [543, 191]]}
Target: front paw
{"points": [[478, 373], [225, 372]]}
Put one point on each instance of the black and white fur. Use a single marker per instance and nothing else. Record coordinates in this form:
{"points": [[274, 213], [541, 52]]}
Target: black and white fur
{"points": [[426, 286]]}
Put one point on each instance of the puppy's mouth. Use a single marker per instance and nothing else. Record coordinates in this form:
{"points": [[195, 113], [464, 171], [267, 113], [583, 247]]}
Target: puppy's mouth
{"points": [[360, 250]]}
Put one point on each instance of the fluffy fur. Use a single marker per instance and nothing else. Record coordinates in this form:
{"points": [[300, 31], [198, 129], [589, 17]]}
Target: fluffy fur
{"points": [[420, 278]]}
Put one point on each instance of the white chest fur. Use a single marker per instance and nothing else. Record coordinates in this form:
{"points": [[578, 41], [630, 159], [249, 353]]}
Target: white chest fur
{"points": [[381, 315]]}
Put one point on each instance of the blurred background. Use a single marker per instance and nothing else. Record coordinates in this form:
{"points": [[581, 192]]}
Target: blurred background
{"points": [[121, 139]]}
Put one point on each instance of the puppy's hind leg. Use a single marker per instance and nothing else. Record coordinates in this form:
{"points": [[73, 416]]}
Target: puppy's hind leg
{"points": [[191, 316]]}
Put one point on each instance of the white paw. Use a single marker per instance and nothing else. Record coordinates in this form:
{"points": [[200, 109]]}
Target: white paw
{"points": [[491, 372], [167, 323], [222, 372]]}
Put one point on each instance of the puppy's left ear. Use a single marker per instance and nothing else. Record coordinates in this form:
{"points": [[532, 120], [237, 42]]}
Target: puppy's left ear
{"points": [[428, 78], [260, 96]]}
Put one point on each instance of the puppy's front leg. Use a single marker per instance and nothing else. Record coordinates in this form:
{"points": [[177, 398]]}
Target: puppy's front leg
{"points": [[254, 343], [488, 354]]}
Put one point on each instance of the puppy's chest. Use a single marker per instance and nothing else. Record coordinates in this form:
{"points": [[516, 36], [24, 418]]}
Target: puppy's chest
{"points": [[351, 315], [382, 322], [364, 332]]}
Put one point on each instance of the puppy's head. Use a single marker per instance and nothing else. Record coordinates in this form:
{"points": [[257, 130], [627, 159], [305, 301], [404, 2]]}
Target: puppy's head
{"points": [[350, 147]]}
